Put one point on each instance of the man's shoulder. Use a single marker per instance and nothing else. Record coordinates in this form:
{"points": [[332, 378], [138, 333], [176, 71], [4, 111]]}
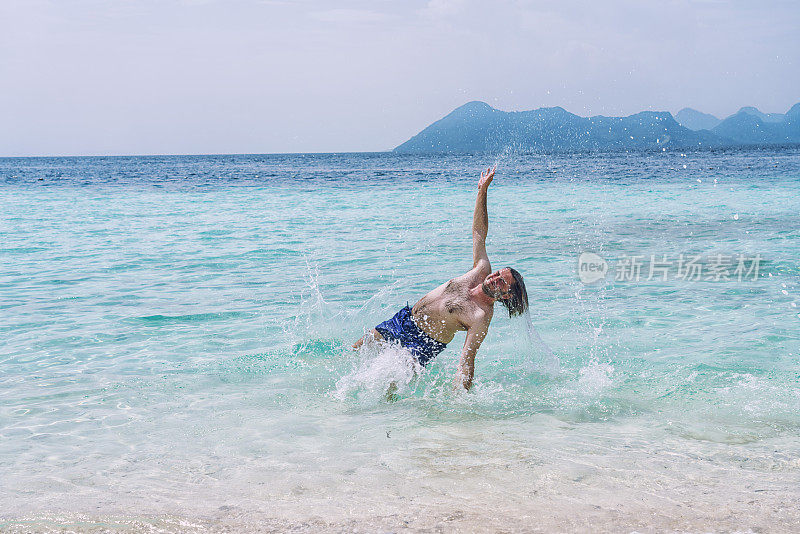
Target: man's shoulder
{"points": [[483, 266], [481, 270]]}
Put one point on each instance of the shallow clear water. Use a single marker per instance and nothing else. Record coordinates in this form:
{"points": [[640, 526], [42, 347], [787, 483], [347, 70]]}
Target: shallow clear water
{"points": [[176, 330]]}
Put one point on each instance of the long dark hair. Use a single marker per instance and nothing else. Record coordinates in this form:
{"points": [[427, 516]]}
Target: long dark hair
{"points": [[517, 303]]}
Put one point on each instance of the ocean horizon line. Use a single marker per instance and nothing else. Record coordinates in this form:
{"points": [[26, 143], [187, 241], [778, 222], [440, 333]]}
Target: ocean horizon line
{"points": [[608, 150], [198, 154]]}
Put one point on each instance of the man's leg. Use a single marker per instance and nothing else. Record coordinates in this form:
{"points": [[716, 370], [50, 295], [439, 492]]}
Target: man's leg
{"points": [[391, 393], [374, 335]]}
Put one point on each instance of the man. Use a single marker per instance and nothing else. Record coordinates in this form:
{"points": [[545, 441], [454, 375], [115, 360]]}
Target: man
{"points": [[463, 303]]}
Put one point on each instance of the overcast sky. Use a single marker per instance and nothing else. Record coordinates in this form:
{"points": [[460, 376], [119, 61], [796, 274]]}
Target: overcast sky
{"points": [[256, 76]]}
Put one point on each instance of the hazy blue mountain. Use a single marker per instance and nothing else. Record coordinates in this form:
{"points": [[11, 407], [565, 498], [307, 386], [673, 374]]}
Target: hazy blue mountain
{"points": [[749, 126], [765, 117], [696, 120], [793, 114], [745, 128], [478, 127]]}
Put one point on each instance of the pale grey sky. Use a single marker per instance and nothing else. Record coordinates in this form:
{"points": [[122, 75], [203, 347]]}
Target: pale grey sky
{"points": [[255, 76]]}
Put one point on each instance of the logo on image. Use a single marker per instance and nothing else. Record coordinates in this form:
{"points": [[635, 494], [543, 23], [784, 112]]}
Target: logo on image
{"points": [[591, 267]]}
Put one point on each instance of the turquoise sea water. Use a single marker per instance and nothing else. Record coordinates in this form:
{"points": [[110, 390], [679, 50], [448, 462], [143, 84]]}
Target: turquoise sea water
{"points": [[175, 336]]}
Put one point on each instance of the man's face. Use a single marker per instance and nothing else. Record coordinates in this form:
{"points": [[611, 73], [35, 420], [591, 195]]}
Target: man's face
{"points": [[498, 284]]}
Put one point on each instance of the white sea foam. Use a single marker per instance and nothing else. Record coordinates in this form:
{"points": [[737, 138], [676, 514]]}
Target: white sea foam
{"points": [[594, 378], [382, 368]]}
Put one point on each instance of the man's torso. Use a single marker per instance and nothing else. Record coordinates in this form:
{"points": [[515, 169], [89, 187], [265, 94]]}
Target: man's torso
{"points": [[449, 309]]}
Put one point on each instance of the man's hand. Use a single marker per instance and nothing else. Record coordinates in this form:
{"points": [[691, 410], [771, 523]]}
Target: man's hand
{"points": [[486, 178]]}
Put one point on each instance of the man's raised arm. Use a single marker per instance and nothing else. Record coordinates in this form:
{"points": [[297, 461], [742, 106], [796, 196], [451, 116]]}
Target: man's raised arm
{"points": [[480, 222]]}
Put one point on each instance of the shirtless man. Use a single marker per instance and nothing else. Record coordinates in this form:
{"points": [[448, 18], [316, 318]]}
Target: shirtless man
{"points": [[463, 303]]}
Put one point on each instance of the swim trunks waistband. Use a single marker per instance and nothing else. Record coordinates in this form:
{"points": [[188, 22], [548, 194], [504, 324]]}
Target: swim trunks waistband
{"points": [[402, 329]]}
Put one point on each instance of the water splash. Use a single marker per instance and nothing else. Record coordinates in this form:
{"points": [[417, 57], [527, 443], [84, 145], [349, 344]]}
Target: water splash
{"points": [[316, 318], [594, 378], [506, 153], [543, 359], [379, 303], [382, 368]]}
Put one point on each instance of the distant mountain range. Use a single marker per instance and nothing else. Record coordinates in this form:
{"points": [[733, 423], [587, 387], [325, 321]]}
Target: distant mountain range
{"points": [[478, 127]]}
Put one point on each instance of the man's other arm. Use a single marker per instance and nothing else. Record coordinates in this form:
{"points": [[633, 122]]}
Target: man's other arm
{"points": [[466, 365]]}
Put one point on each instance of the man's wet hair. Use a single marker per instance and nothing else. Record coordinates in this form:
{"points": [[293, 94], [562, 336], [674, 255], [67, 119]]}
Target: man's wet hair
{"points": [[517, 303]]}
